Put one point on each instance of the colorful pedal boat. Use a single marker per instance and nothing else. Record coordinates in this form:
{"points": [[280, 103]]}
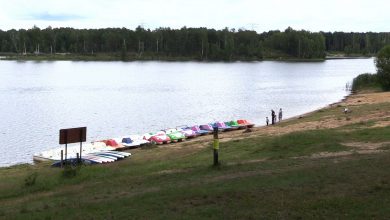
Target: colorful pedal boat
{"points": [[113, 143], [245, 123], [187, 131], [138, 139], [112, 154], [99, 159], [132, 141], [222, 126], [72, 150], [235, 124], [200, 131], [158, 138], [174, 134], [207, 127]]}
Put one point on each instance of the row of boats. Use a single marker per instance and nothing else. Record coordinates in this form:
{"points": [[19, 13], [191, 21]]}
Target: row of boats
{"points": [[110, 150]]}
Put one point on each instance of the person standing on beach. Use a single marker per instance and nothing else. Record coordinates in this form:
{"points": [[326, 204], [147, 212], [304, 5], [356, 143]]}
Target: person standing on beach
{"points": [[267, 120], [273, 115], [280, 114]]}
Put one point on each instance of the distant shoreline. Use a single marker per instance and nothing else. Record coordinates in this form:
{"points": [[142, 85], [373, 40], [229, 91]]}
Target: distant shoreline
{"points": [[115, 57], [347, 57]]}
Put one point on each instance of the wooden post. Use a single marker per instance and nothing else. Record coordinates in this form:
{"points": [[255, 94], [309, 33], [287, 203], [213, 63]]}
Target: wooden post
{"points": [[77, 157], [66, 146], [66, 152], [216, 146], [81, 144], [62, 158]]}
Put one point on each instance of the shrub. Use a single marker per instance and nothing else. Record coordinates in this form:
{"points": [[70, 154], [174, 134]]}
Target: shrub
{"points": [[382, 63], [31, 179], [365, 81]]}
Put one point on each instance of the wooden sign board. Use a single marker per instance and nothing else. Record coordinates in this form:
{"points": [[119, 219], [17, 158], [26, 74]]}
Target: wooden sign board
{"points": [[73, 135]]}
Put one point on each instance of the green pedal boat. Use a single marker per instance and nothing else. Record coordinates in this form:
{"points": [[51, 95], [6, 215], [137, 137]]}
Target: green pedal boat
{"points": [[174, 135]]}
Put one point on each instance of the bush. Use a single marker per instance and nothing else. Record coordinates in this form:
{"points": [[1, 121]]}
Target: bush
{"points": [[31, 179], [382, 63], [365, 81]]}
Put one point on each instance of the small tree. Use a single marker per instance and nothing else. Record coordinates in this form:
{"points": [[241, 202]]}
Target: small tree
{"points": [[382, 63]]}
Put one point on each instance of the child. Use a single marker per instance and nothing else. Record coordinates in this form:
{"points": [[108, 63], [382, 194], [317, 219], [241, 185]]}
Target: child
{"points": [[266, 120]]}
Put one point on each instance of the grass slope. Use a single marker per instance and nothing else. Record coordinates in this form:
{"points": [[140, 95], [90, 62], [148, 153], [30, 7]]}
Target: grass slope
{"points": [[315, 173]]}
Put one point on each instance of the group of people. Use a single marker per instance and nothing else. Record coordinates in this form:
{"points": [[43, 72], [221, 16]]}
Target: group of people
{"points": [[273, 116]]}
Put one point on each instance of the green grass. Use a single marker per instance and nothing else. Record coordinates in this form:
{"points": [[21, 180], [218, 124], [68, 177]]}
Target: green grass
{"points": [[269, 177], [273, 189]]}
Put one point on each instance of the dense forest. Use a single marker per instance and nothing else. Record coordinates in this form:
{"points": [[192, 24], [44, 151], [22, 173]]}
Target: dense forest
{"points": [[189, 43], [356, 43]]}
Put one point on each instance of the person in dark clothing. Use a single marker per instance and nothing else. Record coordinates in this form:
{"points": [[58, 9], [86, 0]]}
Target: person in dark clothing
{"points": [[273, 115], [280, 114]]}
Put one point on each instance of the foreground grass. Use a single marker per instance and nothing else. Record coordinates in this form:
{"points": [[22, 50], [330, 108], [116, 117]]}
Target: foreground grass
{"points": [[353, 188], [260, 177]]}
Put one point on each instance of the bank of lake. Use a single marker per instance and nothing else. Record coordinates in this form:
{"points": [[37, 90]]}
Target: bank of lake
{"points": [[326, 164]]}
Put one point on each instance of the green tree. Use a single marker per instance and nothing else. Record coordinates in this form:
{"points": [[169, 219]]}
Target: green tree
{"points": [[382, 63]]}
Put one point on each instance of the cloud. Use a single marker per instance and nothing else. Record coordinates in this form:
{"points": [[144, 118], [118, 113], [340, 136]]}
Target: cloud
{"points": [[261, 15], [46, 16]]}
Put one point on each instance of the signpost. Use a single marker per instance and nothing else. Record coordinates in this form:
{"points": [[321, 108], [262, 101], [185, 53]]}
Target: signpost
{"points": [[216, 146], [73, 135]]}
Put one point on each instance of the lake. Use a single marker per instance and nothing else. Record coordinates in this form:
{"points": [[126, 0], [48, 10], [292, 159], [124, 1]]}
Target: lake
{"points": [[120, 98]]}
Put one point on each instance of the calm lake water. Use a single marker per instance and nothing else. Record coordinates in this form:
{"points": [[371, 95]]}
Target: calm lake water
{"points": [[119, 98]]}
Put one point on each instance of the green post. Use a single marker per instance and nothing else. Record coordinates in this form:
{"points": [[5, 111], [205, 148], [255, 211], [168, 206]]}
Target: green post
{"points": [[216, 146]]}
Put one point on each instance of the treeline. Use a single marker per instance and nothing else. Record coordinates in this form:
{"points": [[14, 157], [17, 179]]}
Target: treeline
{"points": [[191, 43], [356, 43]]}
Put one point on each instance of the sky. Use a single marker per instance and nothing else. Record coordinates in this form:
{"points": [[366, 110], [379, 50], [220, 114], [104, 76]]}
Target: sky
{"points": [[258, 15]]}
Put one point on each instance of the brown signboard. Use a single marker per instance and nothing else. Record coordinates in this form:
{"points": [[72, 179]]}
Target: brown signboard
{"points": [[73, 135]]}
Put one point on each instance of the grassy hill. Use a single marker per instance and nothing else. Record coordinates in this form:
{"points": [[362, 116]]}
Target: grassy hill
{"points": [[325, 164]]}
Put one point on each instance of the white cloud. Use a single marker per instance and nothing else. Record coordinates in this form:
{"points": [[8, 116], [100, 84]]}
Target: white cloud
{"points": [[313, 15]]}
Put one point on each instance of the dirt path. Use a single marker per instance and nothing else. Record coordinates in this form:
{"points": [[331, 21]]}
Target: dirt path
{"points": [[368, 98], [325, 122]]}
